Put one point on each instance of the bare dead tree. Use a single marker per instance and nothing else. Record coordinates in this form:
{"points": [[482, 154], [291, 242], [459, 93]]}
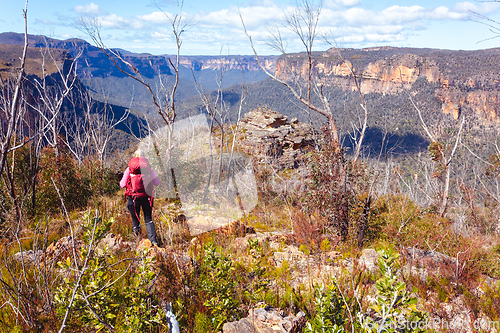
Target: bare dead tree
{"points": [[442, 156], [10, 106], [14, 282], [359, 129], [77, 138], [302, 21], [219, 113], [92, 134], [163, 102], [54, 91]]}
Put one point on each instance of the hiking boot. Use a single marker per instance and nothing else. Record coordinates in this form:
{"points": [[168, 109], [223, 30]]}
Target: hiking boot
{"points": [[150, 228], [137, 234]]}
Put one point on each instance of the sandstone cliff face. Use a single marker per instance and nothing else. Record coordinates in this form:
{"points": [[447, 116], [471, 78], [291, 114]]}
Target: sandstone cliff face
{"points": [[462, 82]]}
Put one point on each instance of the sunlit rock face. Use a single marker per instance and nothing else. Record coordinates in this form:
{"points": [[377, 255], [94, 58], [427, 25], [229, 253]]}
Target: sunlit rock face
{"points": [[272, 139], [463, 79]]}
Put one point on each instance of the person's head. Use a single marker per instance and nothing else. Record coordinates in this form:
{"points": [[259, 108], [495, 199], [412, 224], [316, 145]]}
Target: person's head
{"points": [[139, 153]]}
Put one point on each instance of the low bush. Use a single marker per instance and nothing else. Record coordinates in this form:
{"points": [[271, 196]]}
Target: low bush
{"points": [[218, 285], [335, 186], [72, 187], [100, 293]]}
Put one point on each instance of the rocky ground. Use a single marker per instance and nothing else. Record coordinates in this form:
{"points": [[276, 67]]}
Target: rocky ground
{"points": [[306, 269]]}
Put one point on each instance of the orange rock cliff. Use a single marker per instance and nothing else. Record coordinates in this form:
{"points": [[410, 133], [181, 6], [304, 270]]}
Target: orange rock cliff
{"points": [[461, 80]]}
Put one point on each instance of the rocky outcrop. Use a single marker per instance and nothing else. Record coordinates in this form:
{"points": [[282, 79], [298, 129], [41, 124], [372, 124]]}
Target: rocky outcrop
{"points": [[271, 139], [368, 260], [267, 320], [422, 263], [308, 269]]}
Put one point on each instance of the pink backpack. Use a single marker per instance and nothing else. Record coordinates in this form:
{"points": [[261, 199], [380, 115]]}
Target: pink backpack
{"points": [[139, 184]]}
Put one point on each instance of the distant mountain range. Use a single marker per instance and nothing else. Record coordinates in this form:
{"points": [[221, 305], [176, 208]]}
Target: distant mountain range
{"points": [[444, 84], [98, 73]]}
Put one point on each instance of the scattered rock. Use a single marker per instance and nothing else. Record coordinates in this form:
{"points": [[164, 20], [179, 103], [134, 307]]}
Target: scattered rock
{"points": [[164, 253], [222, 225], [241, 243], [276, 242], [55, 252], [368, 259], [236, 228], [144, 245], [29, 256], [332, 255], [305, 269], [426, 258], [200, 223], [114, 243], [486, 282], [456, 314], [419, 262], [267, 320], [61, 249], [291, 254], [195, 242], [425, 262]]}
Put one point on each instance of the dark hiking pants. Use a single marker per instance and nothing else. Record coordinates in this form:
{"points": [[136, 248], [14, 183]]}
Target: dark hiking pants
{"points": [[134, 207]]}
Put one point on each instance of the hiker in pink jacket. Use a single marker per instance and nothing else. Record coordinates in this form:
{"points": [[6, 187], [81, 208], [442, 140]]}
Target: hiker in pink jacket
{"points": [[139, 180]]}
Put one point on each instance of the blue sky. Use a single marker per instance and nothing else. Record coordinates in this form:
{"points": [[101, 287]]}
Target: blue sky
{"points": [[215, 27]]}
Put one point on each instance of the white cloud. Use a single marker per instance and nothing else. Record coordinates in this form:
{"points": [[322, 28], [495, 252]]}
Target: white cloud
{"points": [[443, 13], [253, 17], [397, 14], [90, 8], [161, 36], [349, 3], [352, 39], [262, 3], [151, 47], [384, 38], [394, 15], [340, 4], [481, 8], [345, 20], [155, 17], [113, 21]]}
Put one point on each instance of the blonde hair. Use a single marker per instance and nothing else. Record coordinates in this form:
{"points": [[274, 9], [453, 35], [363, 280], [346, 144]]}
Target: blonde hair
{"points": [[139, 153]]}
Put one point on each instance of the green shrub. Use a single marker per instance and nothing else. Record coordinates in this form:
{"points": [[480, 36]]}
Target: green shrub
{"points": [[218, 284], [100, 179], [97, 294], [334, 183], [330, 310], [202, 323], [62, 170], [259, 282], [404, 222], [393, 309]]}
